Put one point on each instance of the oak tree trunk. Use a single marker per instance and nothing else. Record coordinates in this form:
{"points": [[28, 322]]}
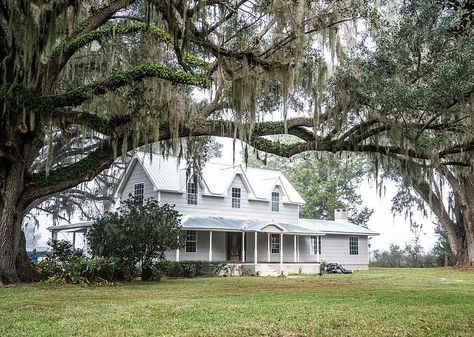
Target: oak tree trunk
{"points": [[464, 202], [14, 264]]}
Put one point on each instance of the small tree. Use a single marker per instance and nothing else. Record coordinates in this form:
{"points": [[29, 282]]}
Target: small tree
{"points": [[137, 232]]}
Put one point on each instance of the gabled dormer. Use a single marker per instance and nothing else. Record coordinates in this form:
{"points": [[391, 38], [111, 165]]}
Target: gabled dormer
{"points": [[221, 190]]}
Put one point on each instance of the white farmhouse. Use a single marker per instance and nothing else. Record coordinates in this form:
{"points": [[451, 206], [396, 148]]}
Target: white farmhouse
{"points": [[245, 216]]}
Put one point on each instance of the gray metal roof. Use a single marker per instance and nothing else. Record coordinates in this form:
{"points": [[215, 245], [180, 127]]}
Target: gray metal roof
{"points": [[169, 174], [335, 227], [241, 225], [304, 226]]}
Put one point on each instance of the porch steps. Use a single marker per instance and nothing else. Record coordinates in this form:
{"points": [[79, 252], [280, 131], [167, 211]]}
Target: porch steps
{"points": [[269, 270]]}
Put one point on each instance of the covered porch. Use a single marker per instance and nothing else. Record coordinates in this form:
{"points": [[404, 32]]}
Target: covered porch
{"points": [[258, 248]]}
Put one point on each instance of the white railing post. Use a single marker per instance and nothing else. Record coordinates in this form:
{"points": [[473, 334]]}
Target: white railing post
{"points": [[177, 255]]}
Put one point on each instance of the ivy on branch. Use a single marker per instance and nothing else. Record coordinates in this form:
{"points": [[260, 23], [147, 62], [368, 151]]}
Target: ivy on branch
{"points": [[123, 78]]}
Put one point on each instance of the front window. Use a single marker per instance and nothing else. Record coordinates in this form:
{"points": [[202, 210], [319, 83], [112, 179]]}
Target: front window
{"points": [[275, 201], [191, 192], [353, 245], [139, 191], [275, 241], [316, 245], [191, 242], [235, 197]]}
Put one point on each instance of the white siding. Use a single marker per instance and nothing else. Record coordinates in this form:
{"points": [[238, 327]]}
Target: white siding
{"points": [[222, 206], [138, 175], [335, 248]]}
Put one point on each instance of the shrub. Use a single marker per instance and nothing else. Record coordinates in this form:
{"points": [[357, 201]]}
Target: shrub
{"points": [[62, 250], [81, 270], [187, 269], [138, 233]]}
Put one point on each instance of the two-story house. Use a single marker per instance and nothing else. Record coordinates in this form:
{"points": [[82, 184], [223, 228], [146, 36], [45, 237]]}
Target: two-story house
{"points": [[245, 216]]}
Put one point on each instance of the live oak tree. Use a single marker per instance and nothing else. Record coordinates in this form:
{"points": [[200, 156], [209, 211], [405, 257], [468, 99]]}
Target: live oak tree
{"points": [[129, 72], [123, 72], [418, 85]]}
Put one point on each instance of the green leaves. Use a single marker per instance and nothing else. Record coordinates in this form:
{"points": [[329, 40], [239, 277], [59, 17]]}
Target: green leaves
{"points": [[137, 232]]}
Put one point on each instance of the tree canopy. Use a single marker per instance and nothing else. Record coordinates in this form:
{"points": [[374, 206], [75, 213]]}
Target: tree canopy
{"points": [[120, 74]]}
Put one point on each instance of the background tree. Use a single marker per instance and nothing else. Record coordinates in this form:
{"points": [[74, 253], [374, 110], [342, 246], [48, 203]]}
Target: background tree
{"points": [[326, 182], [442, 249], [139, 232], [421, 72]]}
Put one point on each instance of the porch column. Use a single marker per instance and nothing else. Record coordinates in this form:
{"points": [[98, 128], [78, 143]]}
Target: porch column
{"points": [[177, 254], [317, 248], [255, 251], [281, 249], [299, 248], [210, 246], [243, 246], [54, 235], [294, 249], [74, 240], [268, 247]]}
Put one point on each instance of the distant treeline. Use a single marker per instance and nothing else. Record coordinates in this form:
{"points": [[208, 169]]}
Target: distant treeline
{"points": [[411, 257]]}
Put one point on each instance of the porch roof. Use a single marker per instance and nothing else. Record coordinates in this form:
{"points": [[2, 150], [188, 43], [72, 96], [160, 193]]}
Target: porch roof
{"points": [[74, 227], [243, 225]]}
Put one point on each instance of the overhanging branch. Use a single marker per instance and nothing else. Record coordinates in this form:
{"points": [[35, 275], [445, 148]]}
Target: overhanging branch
{"points": [[123, 78]]}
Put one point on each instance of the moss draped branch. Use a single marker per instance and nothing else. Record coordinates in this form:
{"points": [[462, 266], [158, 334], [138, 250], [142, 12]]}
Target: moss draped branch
{"points": [[123, 78], [67, 48], [104, 13], [101, 158]]}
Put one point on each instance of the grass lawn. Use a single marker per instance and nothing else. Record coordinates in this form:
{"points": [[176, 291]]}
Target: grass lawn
{"points": [[381, 302]]}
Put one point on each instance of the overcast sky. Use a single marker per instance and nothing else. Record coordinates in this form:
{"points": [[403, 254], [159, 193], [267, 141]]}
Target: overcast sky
{"points": [[392, 229]]}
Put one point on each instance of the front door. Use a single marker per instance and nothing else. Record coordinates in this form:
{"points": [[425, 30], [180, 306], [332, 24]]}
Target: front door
{"points": [[234, 247]]}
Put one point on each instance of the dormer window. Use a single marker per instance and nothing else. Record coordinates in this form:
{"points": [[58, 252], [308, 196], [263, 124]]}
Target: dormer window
{"points": [[191, 192], [235, 197], [275, 201], [139, 191]]}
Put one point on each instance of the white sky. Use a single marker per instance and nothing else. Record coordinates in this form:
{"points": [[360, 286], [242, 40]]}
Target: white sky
{"points": [[392, 229]]}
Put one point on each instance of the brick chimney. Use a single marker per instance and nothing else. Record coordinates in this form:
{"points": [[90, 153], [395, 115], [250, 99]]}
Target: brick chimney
{"points": [[340, 214]]}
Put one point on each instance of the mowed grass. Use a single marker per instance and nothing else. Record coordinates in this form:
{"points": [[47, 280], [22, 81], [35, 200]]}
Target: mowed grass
{"points": [[381, 302]]}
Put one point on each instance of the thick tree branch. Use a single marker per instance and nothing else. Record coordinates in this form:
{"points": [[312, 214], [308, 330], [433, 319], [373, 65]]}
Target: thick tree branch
{"points": [[123, 78], [100, 17]]}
